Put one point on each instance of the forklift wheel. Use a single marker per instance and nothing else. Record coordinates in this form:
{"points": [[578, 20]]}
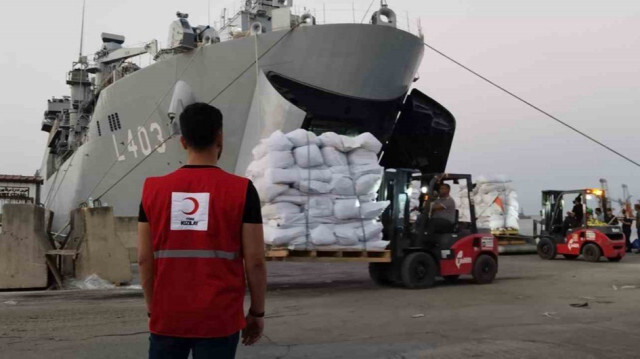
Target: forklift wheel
{"points": [[570, 256], [419, 270], [546, 248], [591, 252], [615, 259], [380, 273], [484, 269]]}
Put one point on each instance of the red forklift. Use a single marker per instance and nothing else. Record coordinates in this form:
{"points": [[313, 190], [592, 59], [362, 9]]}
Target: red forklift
{"points": [[584, 236], [419, 257]]}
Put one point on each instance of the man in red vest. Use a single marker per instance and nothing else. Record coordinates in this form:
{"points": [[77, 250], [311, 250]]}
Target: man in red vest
{"points": [[199, 232]]}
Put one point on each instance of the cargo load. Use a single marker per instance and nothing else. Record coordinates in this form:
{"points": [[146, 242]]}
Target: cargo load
{"points": [[496, 201], [319, 191]]}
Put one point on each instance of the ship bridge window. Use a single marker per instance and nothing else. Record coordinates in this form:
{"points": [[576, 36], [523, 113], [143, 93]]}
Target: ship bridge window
{"points": [[99, 130], [328, 111], [114, 122]]}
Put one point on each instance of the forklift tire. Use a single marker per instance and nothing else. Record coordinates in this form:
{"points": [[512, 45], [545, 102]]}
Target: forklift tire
{"points": [[570, 256], [591, 252], [380, 273], [484, 269], [615, 259], [546, 249], [451, 278], [419, 270]]}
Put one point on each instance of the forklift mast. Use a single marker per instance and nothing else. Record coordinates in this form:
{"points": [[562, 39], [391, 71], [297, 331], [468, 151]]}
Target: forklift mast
{"points": [[395, 219]]}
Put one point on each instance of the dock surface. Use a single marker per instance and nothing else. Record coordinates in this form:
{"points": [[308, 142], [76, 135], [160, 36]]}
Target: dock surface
{"points": [[332, 310]]}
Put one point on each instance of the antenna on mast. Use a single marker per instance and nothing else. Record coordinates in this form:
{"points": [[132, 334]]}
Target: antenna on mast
{"points": [[84, 4], [209, 12]]}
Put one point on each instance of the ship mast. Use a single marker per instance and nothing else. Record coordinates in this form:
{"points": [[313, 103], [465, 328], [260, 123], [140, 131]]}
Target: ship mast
{"points": [[84, 4]]}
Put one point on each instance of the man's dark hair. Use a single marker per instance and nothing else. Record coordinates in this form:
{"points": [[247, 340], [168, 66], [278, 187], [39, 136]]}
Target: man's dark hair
{"points": [[598, 209], [200, 124], [444, 185]]}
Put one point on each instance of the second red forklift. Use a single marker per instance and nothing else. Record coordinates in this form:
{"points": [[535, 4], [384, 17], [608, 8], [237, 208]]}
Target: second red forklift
{"points": [[585, 235]]}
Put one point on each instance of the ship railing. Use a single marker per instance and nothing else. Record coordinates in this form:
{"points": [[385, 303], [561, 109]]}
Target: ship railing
{"points": [[331, 15]]}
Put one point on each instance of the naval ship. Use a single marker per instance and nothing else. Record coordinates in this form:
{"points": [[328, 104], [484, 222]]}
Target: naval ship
{"points": [[266, 69]]}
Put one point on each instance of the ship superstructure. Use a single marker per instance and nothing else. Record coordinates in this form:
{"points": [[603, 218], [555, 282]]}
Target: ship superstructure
{"points": [[265, 68]]}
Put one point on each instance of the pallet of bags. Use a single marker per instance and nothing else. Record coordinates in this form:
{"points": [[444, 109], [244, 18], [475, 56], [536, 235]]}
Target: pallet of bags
{"points": [[319, 191], [496, 202]]}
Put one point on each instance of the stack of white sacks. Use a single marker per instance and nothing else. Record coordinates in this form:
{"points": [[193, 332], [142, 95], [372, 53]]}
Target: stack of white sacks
{"points": [[491, 195], [319, 191]]}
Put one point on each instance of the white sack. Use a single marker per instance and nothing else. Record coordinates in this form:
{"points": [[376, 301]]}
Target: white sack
{"points": [[314, 187], [282, 175], [346, 209], [268, 191], [297, 200], [345, 234], [308, 156], [278, 142], [377, 243], [260, 150], [281, 236], [362, 157], [323, 235], [296, 174], [291, 195], [300, 219], [300, 244], [365, 231], [369, 142], [320, 207], [333, 157], [276, 159], [315, 174], [301, 137], [341, 143], [372, 210], [254, 170], [342, 185], [366, 169], [372, 231], [368, 184], [342, 170], [276, 210], [512, 222]]}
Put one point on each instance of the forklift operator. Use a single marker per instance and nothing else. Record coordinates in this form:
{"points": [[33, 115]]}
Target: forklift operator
{"points": [[443, 212]]}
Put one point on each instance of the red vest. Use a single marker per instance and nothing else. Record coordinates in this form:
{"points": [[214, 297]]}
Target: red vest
{"points": [[195, 215]]}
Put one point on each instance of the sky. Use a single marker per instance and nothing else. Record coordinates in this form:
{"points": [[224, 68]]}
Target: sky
{"points": [[577, 59]]}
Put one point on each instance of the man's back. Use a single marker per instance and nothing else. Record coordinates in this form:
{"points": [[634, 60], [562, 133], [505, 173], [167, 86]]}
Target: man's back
{"points": [[195, 215]]}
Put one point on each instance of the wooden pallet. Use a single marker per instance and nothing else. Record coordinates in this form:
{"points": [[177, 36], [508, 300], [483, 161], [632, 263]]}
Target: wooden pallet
{"points": [[328, 255], [505, 232]]}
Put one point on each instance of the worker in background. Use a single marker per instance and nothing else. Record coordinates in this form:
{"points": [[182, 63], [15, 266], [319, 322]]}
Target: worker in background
{"points": [[443, 212], [599, 214], [199, 232], [627, 221], [637, 208], [577, 209], [610, 218]]}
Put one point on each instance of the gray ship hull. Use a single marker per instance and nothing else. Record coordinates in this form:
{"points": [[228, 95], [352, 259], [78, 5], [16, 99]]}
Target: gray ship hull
{"points": [[370, 62]]}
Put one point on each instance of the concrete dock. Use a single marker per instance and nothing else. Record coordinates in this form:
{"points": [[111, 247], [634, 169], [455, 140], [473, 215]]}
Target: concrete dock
{"points": [[551, 309]]}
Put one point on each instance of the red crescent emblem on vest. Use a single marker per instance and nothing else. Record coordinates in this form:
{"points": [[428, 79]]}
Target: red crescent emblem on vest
{"points": [[196, 206]]}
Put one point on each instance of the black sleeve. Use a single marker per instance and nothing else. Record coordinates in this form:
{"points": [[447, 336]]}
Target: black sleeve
{"points": [[252, 213], [142, 217]]}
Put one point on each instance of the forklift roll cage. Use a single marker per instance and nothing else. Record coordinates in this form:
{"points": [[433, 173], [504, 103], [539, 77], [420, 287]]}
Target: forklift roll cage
{"points": [[553, 207], [396, 218]]}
